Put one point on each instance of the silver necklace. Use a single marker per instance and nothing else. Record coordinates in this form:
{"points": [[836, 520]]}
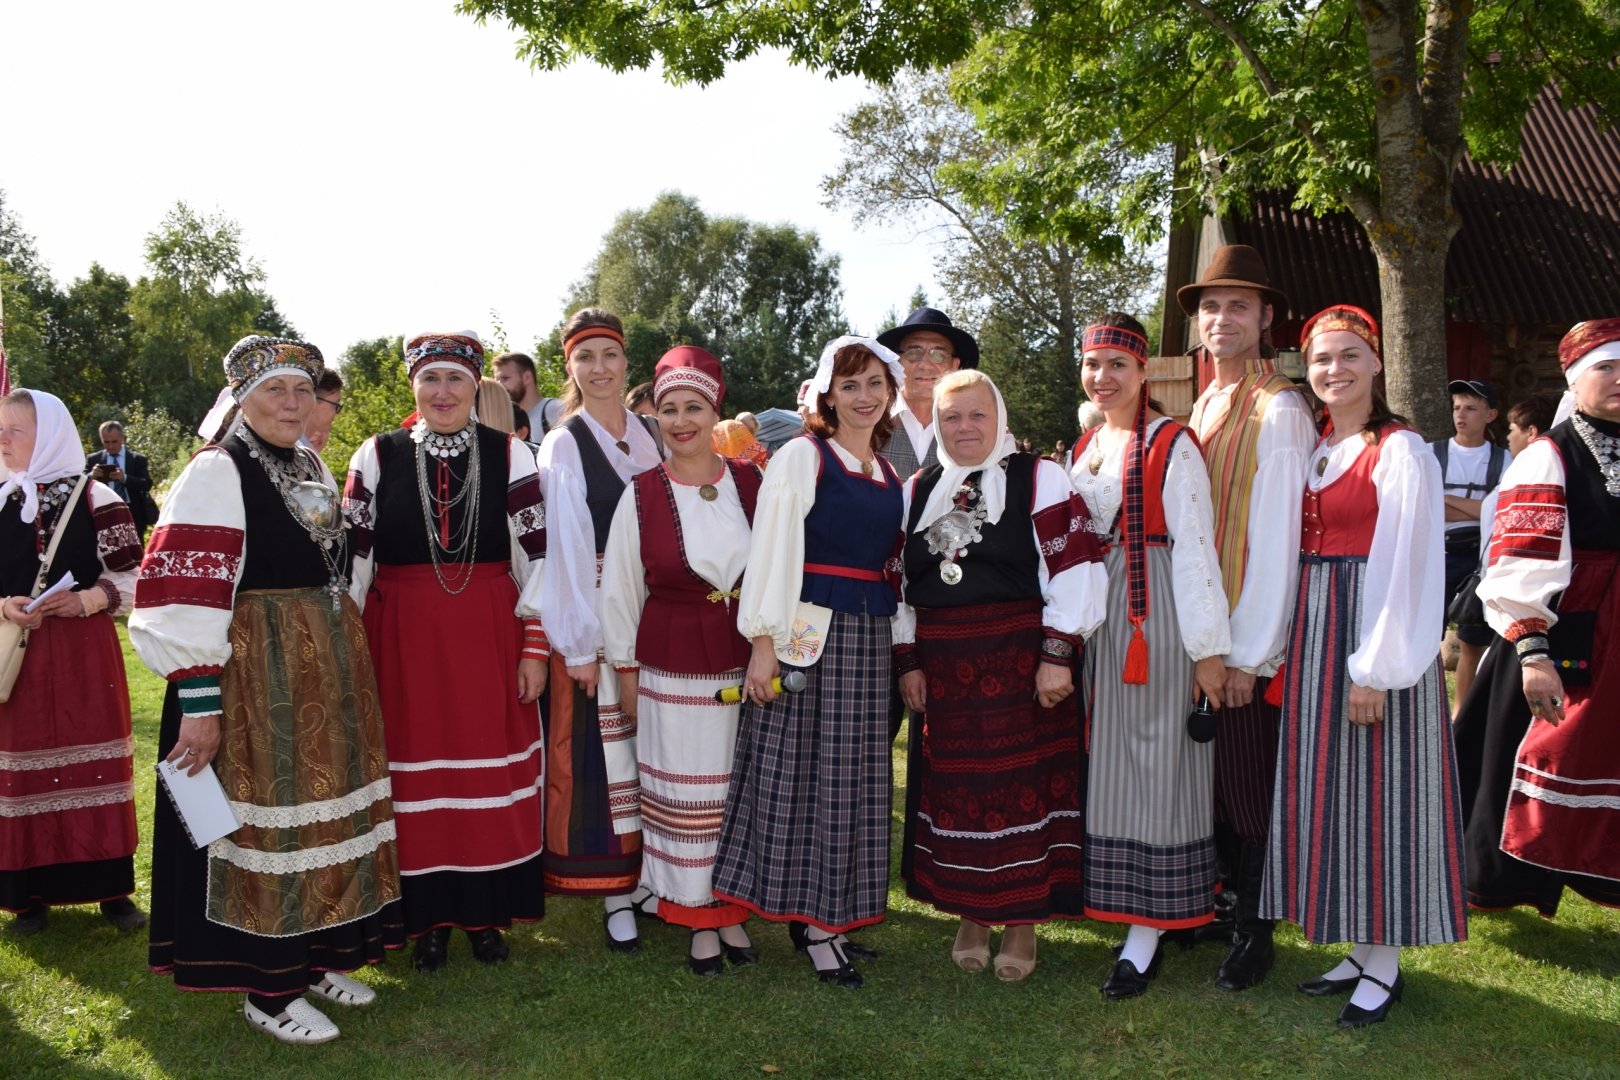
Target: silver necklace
{"points": [[464, 540], [1606, 448], [951, 534], [51, 496], [314, 506]]}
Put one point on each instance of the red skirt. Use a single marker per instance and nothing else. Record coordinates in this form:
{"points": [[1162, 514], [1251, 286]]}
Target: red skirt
{"points": [[1564, 807], [66, 752], [466, 758]]}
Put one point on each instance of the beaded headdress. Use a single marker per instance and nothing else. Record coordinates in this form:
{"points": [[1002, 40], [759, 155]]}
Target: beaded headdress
{"points": [[255, 359], [462, 349]]}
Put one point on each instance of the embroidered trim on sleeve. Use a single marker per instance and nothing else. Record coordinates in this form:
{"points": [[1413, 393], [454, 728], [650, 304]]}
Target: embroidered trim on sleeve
{"points": [[190, 564], [117, 540], [1529, 522], [526, 507]]}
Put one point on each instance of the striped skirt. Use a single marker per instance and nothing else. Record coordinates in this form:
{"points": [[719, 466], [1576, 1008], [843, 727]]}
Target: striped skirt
{"points": [[1366, 825], [1150, 834], [686, 740], [805, 834]]}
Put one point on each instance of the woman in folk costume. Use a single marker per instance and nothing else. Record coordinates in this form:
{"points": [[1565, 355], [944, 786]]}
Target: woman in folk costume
{"points": [[1150, 851], [242, 606], [1002, 582], [67, 810], [1366, 830], [805, 836], [670, 581], [1544, 798], [449, 532], [593, 792]]}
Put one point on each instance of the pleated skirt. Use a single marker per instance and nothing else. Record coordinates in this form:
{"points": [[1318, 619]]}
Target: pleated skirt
{"points": [[805, 834], [1366, 837]]}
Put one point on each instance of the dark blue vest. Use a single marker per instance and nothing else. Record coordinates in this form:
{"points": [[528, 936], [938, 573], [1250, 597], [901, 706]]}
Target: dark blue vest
{"points": [[853, 526]]}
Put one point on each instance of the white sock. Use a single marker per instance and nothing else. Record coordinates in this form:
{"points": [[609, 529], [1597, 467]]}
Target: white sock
{"points": [[736, 936], [1140, 945], [621, 917], [1348, 970], [705, 943], [641, 893], [1383, 964]]}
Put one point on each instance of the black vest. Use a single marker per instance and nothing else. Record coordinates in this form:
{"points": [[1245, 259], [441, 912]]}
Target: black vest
{"points": [[1594, 514], [19, 550], [603, 488], [278, 551], [399, 528], [999, 569]]}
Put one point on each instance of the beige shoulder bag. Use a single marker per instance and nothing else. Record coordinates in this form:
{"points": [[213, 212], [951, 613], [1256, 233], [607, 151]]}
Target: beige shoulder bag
{"points": [[13, 638]]}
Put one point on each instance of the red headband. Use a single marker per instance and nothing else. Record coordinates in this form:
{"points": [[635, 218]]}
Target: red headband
{"points": [[1115, 337], [1342, 317], [1584, 337], [590, 332]]}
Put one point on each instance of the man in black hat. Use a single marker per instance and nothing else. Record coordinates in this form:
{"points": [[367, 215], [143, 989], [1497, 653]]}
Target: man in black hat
{"points": [[930, 348]]}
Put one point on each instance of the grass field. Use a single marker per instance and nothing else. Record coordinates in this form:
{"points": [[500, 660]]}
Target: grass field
{"points": [[1523, 997]]}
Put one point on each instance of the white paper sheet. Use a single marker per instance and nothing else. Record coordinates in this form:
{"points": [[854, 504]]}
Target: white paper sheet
{"points": [[200, 802], [63, 584]]}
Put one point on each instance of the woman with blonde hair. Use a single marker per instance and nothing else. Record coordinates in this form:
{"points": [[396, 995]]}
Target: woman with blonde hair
{"points": [[494, 405]]}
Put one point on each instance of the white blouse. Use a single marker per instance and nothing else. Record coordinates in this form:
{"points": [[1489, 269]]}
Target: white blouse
{"points": [[770, 592], [569, 601], [1076, 599], [717, 538], [1522, 588], [1403, 596], [1260, 618], [1201, 608]]}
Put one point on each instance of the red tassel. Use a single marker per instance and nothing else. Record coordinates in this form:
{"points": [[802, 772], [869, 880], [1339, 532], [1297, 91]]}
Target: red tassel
{"points": [[1136, 660], [1274, 692]]}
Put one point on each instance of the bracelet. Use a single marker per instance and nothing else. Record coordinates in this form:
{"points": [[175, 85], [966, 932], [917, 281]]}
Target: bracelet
{"points": [[1057, 649], [1532, 647], [906, 659]]}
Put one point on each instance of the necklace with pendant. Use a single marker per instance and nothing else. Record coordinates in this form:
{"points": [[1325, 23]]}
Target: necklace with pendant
{"points": [[314, 506], [1605, 448], [445, 545], [51, 496], [955, 530]]}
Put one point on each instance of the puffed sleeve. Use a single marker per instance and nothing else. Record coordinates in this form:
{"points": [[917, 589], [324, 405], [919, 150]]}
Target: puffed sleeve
{"points": [[568, 600], [1265, 603], [1200, 601], [903, 623], [1074, 582], [775, 576], [1404, 592], [187, 582], [118, 546], [359, 496], [624, 584], [1530, 558]]}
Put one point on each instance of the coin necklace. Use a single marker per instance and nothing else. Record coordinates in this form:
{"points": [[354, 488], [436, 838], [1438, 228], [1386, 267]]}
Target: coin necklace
{"points": [[315, 507], [954, 531], [51, 496], [1605, 448], [437, 502]]}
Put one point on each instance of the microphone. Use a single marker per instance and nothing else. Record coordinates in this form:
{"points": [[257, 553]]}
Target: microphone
{"points": [[791, 681]]}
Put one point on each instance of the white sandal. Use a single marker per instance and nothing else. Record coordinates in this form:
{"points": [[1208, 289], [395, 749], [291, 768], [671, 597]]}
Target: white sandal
{"points": [[305, 1023], [343, 990]]}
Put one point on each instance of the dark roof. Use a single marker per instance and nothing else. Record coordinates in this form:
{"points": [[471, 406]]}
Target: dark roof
{"points": [[1539, 244]]}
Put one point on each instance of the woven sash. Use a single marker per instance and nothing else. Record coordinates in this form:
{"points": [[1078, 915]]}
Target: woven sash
{"points": [[1231, 454]]}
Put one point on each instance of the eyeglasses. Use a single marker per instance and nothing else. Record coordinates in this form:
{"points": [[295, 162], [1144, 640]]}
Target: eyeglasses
{"points": [[915, 354], [337, 406]]}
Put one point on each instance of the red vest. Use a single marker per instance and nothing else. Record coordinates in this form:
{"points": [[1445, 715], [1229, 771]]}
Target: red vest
{"points": [[1154, 465], [1339, 519], [687, 626]]}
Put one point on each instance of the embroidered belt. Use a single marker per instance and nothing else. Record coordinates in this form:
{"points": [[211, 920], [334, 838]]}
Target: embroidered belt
{"points": [[843, 571]]}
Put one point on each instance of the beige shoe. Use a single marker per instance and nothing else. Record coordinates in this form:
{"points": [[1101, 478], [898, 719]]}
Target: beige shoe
{"points": [[966, 955], [1011, 968]]}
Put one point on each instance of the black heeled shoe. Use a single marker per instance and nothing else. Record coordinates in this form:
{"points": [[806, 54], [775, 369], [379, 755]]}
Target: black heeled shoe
{"points": [[432, 950], [739, 955], [706, 965], [798, 934], [844, 974], [1354, 1016], [123, 914], [632, 947], [1322, 986], [1125, 981], [488, 946]]}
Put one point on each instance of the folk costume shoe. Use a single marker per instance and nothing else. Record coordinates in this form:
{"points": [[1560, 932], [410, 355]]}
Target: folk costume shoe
{"points": [[123, 914], [826, 952], [630, 946], [432, 950], [1354, 1016], [798, 931], [1323, 986], [738, 947], [488, 946], [971, 952], [1125, 981], [705, 956], [1252, 951], [300, 1022], [1011, 965]]}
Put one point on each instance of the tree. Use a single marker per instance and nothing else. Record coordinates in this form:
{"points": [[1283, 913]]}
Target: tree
{"points": [[376, 397], [1026, 299], [27, 292], [762, 298], [1355, 104], [90, 334]]}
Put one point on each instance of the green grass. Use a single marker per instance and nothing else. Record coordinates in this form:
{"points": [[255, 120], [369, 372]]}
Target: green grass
{"points": [[1523, 997]]}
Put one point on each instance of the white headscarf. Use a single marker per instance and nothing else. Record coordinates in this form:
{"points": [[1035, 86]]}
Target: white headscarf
{"points": [[821, 381], [992, 485], [1566, 405], [57, 453]]}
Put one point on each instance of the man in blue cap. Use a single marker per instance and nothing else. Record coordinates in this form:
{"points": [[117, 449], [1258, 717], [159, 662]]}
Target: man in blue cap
{"points": [[930, 348]]}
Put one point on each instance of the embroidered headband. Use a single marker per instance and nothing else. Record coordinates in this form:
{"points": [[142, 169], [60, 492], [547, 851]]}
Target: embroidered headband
{"points": [[460, 350], [690, 368], [1342, 317], [1115, 337], [590, 332], [256, 358]]}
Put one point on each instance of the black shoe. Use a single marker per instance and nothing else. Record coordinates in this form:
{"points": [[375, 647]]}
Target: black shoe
{"points": [[1322, 986], [123, 914], [1127, 982], [631, 947], [844, 974], [706, 965], [32, 921], [488, 946], [1251, 957], [432, 950], [798, 934], [739, 955], [647, 907], [1354, 1016], [856, 951]]}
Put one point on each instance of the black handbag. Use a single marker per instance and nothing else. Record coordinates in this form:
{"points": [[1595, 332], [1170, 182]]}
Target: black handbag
{"points": [[1466, 608]]}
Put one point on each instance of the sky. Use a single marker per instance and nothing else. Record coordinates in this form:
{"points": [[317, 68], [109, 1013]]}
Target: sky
{"points": [[393, 166]]}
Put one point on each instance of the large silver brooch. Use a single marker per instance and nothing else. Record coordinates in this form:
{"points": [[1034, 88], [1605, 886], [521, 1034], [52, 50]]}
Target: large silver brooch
{"points": [[318, 504]]}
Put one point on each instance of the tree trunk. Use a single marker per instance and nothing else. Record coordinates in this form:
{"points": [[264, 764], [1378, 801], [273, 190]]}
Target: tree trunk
{"points": [[1412, 280]]}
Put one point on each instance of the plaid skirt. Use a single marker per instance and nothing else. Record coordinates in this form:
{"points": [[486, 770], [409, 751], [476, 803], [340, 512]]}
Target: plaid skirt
{"points": [[805, 834]]}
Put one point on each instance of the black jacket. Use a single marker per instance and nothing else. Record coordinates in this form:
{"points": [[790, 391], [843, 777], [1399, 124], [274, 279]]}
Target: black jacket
{"points": [[137, 486]]}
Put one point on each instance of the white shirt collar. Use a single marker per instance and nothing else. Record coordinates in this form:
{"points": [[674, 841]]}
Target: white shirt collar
{"points": [[921, 436]]}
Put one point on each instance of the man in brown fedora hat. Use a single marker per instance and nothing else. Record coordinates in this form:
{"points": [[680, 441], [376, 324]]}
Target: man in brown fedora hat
{"points": [[1257, 433]]}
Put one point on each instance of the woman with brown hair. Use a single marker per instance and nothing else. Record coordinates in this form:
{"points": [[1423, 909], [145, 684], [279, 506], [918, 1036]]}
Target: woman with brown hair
{"points": [[593, 789], [805, 834]]}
